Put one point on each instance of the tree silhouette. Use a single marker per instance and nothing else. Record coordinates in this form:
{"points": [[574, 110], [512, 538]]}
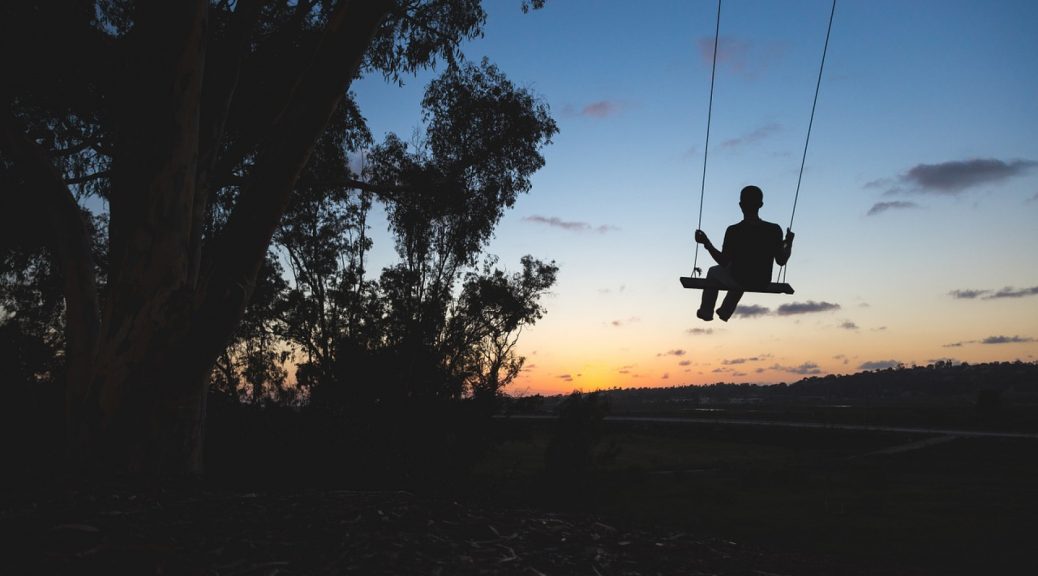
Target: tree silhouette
{"points": [[193, 122]]}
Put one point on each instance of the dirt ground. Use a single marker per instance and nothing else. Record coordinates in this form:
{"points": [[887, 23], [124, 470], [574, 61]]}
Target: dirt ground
{"points": [[352, 532]]}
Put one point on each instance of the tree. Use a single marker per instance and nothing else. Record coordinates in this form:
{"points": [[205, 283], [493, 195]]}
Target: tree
{"points": [[492, 311], [165, 110]]}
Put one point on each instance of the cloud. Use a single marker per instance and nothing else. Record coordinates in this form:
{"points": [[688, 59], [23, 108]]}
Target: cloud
{"points": [[967, 294], [878, 364], [956, 176], [805, 369], [619, 323], [848, 325], [739, 55], [666, 376], [699, 331], [601, 109], [959, 344], [734, 361], [675, 352], [685, 363], [752, 310], [571, 226], [566, 377], [1007, 340], [880, 207], [752, 137], [1009, 292], [808, 307]]}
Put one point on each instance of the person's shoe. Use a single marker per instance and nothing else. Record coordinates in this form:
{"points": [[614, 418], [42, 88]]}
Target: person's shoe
{"points": [[723, 314], [704, 315]]}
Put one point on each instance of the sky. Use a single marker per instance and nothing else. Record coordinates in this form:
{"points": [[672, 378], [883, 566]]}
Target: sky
{"points": [[915, 220]]}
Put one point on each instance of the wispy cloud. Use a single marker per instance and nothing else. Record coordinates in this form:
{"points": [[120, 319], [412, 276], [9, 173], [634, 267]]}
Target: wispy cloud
{"points": [[752, 137], [881, 207], [666, 376], [675, 352], [735, 361], [1007, 292], [805, 369], [569, 225], [566, 377], [699, 331], [620, 323], [598, 109], [685, 363], [954, 177], [610, 290], [752, 310], [848, 325], [967, 294], [808, 307], [879, 364], [1007, 340], [741, 56], [958, 344]]}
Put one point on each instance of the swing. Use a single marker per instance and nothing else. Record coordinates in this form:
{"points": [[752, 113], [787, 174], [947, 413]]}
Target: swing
{"points": [[693, 281], [700, 283]]}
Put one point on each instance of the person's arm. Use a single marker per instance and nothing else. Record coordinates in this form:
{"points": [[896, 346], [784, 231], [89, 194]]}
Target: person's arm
{"points": [[717, 255], [786, 249]]}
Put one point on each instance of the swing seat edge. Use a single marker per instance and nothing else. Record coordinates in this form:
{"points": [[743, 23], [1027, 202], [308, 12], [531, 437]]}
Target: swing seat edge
{"points": [[701, 283]]}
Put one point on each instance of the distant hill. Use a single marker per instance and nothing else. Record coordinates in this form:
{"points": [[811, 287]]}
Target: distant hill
{"points": [[939, 382]]}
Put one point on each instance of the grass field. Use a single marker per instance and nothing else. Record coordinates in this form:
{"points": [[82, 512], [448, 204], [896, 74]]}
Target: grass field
{"points": [[964, 506]]}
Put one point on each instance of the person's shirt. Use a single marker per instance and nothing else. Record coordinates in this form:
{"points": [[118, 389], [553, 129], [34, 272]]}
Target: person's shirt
{"points": [[751, 247]]}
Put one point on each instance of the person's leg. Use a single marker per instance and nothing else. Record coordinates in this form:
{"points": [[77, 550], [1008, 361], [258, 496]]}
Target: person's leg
{"points": [[706, 307], [731, 300]]}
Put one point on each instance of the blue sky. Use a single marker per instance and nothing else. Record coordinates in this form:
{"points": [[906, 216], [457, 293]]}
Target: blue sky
{"points": [[920, 188]]}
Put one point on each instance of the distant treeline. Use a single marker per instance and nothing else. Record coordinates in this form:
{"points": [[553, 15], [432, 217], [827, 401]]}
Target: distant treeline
{"points": [[942, 380]]}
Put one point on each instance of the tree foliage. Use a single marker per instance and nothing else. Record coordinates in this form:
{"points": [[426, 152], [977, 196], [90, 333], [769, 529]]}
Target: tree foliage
{"points": [[213, 138]]}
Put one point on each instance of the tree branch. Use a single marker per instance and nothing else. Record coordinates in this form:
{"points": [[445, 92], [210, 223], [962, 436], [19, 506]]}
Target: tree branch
{"points": [[69, 237], [88, 178], [239, 251]]}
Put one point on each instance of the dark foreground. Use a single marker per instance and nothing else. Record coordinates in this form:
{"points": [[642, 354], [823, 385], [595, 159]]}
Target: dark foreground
{"points": [[654, 498], [346, 532]]}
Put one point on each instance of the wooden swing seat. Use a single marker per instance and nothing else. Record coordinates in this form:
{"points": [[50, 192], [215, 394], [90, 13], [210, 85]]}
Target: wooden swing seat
{"points": [[700, 283]]}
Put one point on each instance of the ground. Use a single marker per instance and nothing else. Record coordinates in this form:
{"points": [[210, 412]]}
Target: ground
{"points": [[355, 532]]}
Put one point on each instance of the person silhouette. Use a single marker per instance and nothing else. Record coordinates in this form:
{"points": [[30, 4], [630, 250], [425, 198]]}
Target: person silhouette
{"points": [[745, 260]]}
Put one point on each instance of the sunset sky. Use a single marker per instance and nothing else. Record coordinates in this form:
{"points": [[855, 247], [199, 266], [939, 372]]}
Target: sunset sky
{"points": [[916, 224]]}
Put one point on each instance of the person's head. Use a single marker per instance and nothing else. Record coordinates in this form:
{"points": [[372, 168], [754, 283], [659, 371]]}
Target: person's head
{"points": [[751, 199]]}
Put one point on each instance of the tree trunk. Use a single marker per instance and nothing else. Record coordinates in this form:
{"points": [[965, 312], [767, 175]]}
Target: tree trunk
{"points": [[168, 319], [138, 374], [148, 422]]}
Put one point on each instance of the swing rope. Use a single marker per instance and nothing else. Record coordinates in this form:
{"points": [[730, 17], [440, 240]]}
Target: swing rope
{"points": [[781, 277], [706, 147]]}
